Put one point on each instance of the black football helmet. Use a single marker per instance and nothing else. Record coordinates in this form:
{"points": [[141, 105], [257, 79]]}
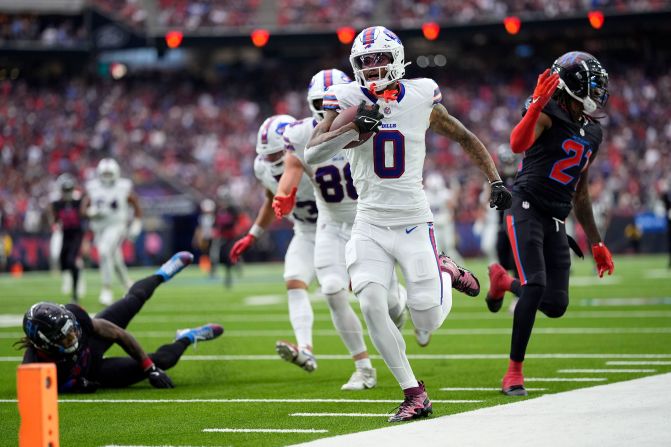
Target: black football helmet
{"points": [[52, 328], [583, 78]]}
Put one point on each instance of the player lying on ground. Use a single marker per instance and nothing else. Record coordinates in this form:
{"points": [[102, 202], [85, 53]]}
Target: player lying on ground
{"points": [[76, 343]]}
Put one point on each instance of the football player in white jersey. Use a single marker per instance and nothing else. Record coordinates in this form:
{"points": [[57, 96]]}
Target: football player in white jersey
{"points": [[108, 201], [336, 202], [393, 221], [299, 259]]}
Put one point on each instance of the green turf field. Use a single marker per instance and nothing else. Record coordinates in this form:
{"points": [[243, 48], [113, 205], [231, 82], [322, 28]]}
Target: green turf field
{"points": [[620, 323]]}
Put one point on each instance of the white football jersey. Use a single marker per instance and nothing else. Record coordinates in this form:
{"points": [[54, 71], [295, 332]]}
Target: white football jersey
{"points": [[332, 179], [304, 214], [110, 201], [387, 169]]}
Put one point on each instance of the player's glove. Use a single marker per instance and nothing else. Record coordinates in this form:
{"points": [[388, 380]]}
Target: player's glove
{"points": [[158, 378], [282, 205], [134, 229], [368, 119], [500, 197], [241, 246], [545, 88], [603, 259]]}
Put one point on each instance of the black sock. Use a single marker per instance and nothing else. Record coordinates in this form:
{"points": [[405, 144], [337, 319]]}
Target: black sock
{"points": [[523, 321], [516, 287]]}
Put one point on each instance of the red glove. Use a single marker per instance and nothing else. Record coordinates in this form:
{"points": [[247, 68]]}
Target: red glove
{"points": [[523, 135], [282, 205], [603, 259], [241, 246]]}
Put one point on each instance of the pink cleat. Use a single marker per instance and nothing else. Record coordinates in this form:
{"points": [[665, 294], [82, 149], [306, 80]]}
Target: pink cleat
{"points": [[463, 280]]}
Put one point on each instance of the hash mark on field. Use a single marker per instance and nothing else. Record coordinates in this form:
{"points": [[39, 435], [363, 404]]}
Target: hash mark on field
{"points": [[565, 379], [607, 370], [361, 415], [263, 430], [632, 363], [487, 389]]}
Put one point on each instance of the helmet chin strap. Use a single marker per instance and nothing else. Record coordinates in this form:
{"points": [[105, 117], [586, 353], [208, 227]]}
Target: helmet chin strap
{"points": [[588, 104]]}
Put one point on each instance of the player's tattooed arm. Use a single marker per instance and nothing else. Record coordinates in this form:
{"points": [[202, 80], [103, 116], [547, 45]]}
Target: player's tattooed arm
{"points": [[325, 143], [445, 124], [582, 207], [110, 331]]}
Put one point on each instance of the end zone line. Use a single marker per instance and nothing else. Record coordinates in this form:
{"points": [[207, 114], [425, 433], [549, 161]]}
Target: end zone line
{"points": [[487, 389], [634, 363], [606, 370], [263, 430], [565, 379]]}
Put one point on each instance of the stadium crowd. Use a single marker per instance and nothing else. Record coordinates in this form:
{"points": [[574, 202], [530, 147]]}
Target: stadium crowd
{"points": [[204, 137], [61, 31]]}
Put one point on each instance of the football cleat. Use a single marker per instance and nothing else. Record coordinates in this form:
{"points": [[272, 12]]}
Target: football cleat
{"points": [[207, 332], [423, 338], [413, 407], [462, 279], [361, 379], [499, 284], [174, 265], [106, 297], [293, 354], [513, 384]]}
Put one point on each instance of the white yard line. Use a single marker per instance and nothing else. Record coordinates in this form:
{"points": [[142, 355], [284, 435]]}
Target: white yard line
{"points": [[487, 389], [273, 357], [636, 362], [263, 430], [605, 370], [342, 415], [601, 302], [565, 379], [246, 401], [440, 332], [616, 415]]}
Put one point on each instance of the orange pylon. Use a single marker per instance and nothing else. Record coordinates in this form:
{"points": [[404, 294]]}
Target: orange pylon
{"points": [[37, 393]]}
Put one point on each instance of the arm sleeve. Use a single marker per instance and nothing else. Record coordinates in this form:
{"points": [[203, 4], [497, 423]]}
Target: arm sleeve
{"points": [[522, 136]]}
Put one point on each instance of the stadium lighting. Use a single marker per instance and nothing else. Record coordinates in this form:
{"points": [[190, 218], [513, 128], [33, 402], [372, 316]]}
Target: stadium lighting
{"points": [[260, 37], [595, 19], [173, 39], [512, 24], [346, 34], [430, 30]]}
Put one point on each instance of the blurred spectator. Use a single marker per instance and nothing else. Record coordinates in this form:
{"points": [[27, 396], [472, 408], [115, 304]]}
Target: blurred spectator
{"points": [[48, 30]]}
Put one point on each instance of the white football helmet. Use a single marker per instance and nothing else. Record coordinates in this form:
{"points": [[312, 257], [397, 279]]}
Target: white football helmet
{"points": [[108, 171], [318, 86], [270, 141], [373, 40]]}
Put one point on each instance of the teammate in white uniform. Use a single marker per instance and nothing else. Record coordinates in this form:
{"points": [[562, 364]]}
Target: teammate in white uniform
{"points": [[107, 204], [393, 221], [336, 202], [299, 259]]}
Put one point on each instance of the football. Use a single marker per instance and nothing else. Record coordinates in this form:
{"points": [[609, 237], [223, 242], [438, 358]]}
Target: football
{"points": [[346, 116]]}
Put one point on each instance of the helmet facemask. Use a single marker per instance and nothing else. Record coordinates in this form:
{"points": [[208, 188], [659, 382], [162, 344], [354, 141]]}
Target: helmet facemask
{"points": [[592, 92]]}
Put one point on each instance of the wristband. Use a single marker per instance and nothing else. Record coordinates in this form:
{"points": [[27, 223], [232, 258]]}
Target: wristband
{"points": [[147, 363], [256, 231]]}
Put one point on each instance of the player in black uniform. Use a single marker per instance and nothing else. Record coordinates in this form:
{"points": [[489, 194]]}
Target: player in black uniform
{"points": [[76, 343], [560, 139], [65, 213]]}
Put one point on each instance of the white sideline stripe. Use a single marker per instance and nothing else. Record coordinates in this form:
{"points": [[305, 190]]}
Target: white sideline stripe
{"points": [[264, 430], [265, 357], [487, 389], [342, 415], [565, 379], [606, 416], [589, 302], [658, 273], [606, 370], [439, 332], [243, 401], [633, 363], [586, 281]]}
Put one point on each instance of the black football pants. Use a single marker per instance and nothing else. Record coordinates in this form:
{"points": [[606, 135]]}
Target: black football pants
{"points": [[541, 252], [119, 372], [72, 242]]}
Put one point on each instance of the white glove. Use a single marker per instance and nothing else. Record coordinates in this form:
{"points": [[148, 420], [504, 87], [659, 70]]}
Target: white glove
{"points": [[135, 229]]}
